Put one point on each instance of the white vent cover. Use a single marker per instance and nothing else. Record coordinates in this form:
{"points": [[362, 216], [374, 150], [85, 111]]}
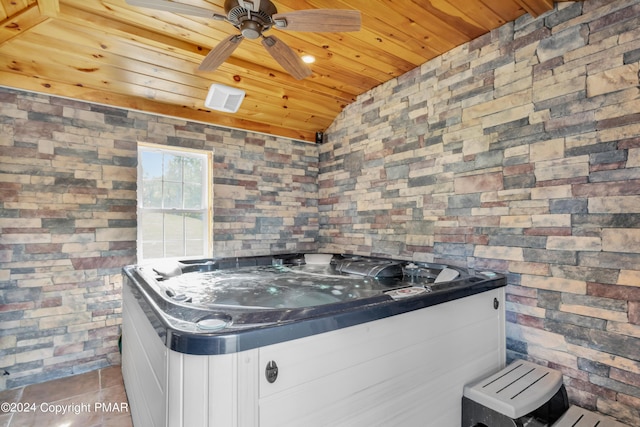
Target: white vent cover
{"points": [[224, 98]]}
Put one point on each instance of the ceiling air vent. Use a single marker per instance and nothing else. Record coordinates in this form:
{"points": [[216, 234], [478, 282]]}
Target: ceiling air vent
{"points": [[224, 98]]}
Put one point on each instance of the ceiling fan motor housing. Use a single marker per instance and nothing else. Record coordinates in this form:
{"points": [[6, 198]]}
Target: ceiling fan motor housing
{"points": [[251, 24]]}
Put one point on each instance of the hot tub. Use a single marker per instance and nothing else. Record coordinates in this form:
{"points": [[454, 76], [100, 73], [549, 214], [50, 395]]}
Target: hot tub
{"points": [[290, 340]]}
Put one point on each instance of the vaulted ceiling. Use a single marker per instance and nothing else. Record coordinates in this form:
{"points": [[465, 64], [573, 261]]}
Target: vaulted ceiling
{"points": [[109, 52]]}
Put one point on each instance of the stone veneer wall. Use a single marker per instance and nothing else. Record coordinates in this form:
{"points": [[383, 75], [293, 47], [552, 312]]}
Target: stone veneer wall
{"points": [[518, 152], [68, 220]]}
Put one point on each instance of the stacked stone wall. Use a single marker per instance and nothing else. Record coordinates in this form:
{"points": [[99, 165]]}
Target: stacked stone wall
{"points": [[518, 152]]}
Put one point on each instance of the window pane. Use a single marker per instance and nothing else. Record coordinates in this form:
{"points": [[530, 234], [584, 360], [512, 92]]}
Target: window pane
{"points": [[152, 236], [193, 196], [193, 169], [172, 195], [174, 234], [152, 194], [194, 224], [173, 226], [174, 248], [152, 249], [172, 168], [194, 247], [151, 224], [151, 163]]}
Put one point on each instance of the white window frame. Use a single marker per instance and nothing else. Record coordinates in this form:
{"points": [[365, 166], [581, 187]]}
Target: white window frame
{"points": [[207, 198]]}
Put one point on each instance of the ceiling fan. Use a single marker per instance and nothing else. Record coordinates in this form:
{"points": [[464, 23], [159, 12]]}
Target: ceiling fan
{"points": [[252, 18]]}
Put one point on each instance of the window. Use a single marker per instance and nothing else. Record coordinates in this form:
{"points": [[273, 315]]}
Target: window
{"points": [[174, 203]]}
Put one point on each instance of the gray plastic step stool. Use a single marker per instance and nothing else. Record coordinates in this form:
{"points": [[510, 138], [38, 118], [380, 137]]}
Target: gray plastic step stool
{"points": [[522, 394], [578, 417]]}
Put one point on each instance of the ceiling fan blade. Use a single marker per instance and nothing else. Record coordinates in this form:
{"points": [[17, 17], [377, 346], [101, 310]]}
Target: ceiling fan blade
{"points": [[252, 5], [319, 20], [286, 57], [171, 6], [220, 53]]}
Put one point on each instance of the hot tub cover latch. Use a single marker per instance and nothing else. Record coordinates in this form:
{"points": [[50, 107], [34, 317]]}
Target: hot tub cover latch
{"points": [[271, 371]]}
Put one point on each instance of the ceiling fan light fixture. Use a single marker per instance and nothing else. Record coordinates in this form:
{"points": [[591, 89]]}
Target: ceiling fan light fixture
{"points": [[308, 59], [251, 29], [224, 98]]}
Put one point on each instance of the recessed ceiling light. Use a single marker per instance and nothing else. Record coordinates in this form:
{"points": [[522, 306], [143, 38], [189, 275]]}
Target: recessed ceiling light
{"points": [[308, 59]]}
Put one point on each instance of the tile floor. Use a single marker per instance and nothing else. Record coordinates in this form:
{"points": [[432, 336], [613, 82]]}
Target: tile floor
{"points": [[93, 399]]}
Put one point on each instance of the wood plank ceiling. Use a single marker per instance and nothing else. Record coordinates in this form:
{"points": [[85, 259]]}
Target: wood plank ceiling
{"points": [[108, 52]]}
